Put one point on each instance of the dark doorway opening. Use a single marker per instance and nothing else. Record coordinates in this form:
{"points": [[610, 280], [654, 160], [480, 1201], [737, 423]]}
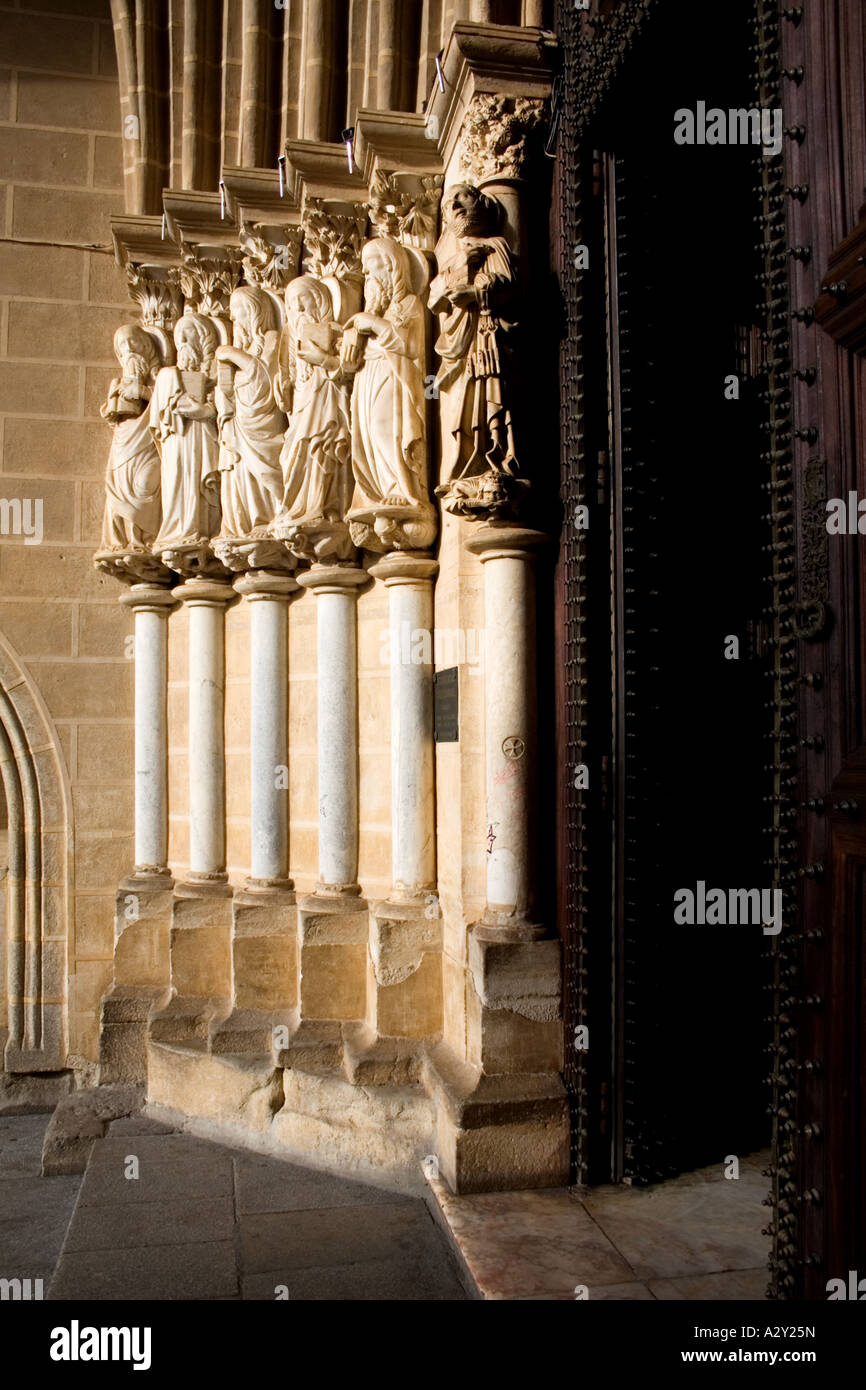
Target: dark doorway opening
{"points": [[675, 421]]}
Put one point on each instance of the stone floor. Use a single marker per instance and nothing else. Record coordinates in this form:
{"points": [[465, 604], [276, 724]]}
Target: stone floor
{"points": [[201, 1221], [205, 1222], [695, 1237]]}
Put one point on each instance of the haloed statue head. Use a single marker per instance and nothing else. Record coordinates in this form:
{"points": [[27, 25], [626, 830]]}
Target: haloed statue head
{"points": [[468, 211]]}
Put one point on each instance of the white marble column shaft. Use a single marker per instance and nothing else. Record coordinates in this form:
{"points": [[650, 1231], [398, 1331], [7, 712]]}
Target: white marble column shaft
{"points": [[151, 605], [207, 601], [336, 588], [510, 721], [267, 593], [409, 581]]}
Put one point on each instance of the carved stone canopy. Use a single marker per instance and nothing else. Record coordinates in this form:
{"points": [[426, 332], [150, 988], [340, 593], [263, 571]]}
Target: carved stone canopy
{"points": [[502, 136]]}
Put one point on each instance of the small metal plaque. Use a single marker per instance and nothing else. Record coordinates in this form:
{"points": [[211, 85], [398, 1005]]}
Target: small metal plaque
{"points": [[445, 706]]}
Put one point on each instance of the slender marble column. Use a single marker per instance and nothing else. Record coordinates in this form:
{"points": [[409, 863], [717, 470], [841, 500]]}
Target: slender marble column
{"points": [[336, 590], [151, 605], [268, 592], [207, 601], [510, 727], [409, 581]]}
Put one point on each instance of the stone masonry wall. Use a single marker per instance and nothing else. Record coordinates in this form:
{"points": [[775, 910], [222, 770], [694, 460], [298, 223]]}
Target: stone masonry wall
{"points": [[60, 303]]}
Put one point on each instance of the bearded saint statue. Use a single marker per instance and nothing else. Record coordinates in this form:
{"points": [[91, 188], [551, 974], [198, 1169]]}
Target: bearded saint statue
{"points": [[474, 292], [183, 419], [251, 425], [132, 506]]}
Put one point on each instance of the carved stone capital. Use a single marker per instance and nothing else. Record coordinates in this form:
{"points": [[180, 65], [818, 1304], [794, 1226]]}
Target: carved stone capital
{"points": [[405, 206], [207, 284], [488, 496], [271, 256], [195, 560], [502, 136], [333, 235], [157, 295]]}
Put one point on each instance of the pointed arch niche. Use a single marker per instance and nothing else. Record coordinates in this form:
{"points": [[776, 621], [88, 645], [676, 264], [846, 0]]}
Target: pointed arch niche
{"points": [[37, 891]]}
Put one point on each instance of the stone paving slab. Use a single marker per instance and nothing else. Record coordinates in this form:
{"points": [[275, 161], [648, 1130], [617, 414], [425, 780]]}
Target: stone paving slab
{"points": [[133, 1226], [159, 1180], [266, 1184], [342, 1236], [21, 1138], [115, 1147], [733, 1284], [194, 1271], [695, 1237]]}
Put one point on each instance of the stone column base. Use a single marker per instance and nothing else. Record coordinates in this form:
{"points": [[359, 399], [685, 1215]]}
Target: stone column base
{"points": [[125, 1018], [201, 971], [404, 970], [264, 973], [498, 1133], [210, 886], [142, 927], [514, 1017], [332, 936]]}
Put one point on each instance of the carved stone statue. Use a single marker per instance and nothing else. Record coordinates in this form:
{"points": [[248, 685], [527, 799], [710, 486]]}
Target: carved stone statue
{"points": [[474, 292], [251, 426], [132, 505], [315, 458], [383, 346], [183, 420]]}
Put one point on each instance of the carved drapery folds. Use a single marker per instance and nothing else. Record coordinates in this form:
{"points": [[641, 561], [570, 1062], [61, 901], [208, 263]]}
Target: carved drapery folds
{"points": [[297, 343], [475, 293], [272, 406]]}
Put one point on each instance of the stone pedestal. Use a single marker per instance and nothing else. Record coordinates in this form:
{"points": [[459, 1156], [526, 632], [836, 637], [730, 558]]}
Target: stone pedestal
{"points": [[207, 601], [264, 975], [201, 971], [151, 605]]}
